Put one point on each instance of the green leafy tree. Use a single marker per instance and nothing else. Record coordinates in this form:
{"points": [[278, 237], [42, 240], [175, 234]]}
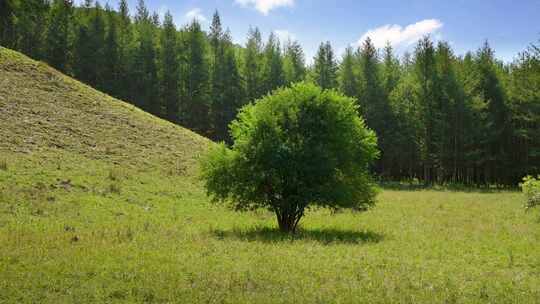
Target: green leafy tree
{"points": [[298, 148]]}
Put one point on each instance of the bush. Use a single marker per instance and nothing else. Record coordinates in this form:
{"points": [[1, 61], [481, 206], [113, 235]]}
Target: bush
{"points": [[298, 148], [531, 189]]}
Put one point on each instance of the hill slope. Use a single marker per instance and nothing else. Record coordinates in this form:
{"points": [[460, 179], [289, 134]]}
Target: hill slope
{"points": [[44, 110]]}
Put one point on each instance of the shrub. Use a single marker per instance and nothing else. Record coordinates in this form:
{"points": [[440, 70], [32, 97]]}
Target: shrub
{"points": [[298, 148], [531, 189]]}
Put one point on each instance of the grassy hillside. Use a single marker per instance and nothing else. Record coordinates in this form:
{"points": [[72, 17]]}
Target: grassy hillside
{"points": [[99, 202]]}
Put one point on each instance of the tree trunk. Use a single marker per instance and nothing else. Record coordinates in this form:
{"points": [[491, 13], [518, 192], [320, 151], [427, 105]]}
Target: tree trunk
{"points": [[288, 220]]}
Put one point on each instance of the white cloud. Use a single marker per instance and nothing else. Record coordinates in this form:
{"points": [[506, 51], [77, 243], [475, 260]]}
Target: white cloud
{"points": [[265, 6], [196, 13], [401, 36], [284, 35]]}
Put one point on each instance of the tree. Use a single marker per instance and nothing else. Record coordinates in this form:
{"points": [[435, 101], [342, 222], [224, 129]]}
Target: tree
{"points": [[232, 96], [348, 80], [253, 64], [325, 69], [169, 68], [273, 76], [111, 70], [8, 23], [294, 63], [145, 90], [427, 94], [298, 148], [196, 80], [374, 102], [31, 27], [57, 34]]}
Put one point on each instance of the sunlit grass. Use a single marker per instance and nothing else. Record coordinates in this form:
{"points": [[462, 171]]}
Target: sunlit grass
{"points": [[159, 240]]}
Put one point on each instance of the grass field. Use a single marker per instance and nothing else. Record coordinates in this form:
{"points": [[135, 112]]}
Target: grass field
{"points": [[99, 202]]}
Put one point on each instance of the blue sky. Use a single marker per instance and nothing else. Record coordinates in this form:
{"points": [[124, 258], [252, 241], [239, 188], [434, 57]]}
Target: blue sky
{"points": [[509, 26]]}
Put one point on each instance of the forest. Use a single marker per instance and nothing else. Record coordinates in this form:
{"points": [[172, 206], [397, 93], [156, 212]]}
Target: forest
{"points": [[440, 117]]}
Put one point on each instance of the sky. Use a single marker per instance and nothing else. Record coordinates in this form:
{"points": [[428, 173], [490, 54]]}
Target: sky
{"points": [[509, 26]]}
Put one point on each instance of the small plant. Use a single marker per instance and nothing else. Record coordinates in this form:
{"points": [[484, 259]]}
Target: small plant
{"points": [[531, 189], [3, 165], [114, 188]]}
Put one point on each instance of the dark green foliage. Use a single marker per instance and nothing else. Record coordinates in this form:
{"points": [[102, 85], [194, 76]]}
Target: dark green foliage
{"points": [[169, 69], [298, 148], [57, 35], [196, 80], [7, 23]]}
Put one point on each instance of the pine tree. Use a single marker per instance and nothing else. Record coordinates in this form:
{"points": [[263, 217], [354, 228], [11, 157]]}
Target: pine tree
{"points": [[57, 44], [8, 26], [144, 66], [325, 69], [273, 76], [125, 52], [348, 79], [169, 67], [111, 56], [294, 63], [253, 65], [428, 89], [374, 103], [232, 96], [497, 116], [196, 86], [31, 30]]}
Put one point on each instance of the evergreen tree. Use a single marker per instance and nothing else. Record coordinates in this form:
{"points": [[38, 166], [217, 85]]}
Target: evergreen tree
{"points": [[169, 68], [125, 52], [374, 103], [325, 68], [8, 25], [196, 86], [111, 68], [428, 89], [294, 63], [145, 90], [497, 116], [57, 44], [31, 29], [253, 65], [273, 76], [348, 79], [232, 97]]}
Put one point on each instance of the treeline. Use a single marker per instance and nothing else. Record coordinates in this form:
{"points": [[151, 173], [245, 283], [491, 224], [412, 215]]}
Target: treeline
{"points": [[440, 118]]}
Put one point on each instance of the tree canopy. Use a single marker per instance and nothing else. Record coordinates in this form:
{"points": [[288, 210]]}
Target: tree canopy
{"points": [[297, 148]]}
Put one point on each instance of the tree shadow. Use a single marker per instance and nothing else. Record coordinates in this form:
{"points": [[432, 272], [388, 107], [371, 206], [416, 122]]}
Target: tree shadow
{"points": [[323, 236]]}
